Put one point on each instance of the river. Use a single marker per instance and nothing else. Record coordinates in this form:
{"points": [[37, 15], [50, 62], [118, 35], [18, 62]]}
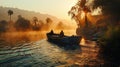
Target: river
{"points": [[41, 53]]}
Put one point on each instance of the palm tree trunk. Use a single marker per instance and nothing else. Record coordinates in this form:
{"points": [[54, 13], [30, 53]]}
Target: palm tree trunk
{"points": [[10, 17], [86, 21]]}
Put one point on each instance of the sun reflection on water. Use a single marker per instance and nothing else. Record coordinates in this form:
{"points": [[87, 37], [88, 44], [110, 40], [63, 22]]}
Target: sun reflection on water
{"points": [[82, 41]]}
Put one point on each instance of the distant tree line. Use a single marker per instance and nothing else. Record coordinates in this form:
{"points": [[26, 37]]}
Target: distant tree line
{"points": [[23, 24]]}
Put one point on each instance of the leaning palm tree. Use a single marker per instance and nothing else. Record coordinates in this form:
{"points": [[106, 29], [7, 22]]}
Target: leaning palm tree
{"points": [[10, 12]]}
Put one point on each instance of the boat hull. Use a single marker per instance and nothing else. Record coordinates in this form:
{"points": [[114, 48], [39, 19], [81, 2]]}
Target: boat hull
{"points": [[65, 41]]}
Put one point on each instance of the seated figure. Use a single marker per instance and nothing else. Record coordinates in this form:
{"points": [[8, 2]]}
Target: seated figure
{"points": [[62, 33], [51, 32]]}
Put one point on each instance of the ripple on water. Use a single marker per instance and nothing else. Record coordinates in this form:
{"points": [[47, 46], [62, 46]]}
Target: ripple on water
{"points": [[44, 54]]}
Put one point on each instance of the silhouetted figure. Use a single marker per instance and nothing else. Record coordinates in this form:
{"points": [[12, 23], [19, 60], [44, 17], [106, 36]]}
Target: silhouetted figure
{"points": [[51, 32], [62, 33]]}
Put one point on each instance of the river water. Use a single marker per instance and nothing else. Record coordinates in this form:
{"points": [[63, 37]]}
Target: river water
{"points": [[42, 53]]}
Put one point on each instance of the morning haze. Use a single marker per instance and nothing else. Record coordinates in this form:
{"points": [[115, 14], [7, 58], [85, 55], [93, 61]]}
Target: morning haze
{"points": [[39, 33], [57, 8]]}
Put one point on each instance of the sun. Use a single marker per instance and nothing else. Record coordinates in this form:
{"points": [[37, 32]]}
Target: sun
{"points": [[82, 41], [82, 14]]}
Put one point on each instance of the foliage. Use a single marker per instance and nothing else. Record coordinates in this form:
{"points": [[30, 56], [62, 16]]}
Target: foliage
{"points": [[22, 24], [3, 26], [48, 20], [35, 20], [48, 23], [10, 12], [86, 28], [110, 45], [77, 10], [36, 26], [109, 7]]}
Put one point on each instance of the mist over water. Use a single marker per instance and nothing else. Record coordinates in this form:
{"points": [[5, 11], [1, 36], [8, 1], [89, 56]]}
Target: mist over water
{"points": [[29, 36], [23, 41], [32, 49]]}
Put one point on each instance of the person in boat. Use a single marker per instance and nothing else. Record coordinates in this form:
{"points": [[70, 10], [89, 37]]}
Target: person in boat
{"points": [[61, 33], [51, 32]]}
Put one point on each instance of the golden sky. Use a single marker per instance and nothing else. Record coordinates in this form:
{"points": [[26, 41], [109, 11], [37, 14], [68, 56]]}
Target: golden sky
{"points": [[58, 8]]}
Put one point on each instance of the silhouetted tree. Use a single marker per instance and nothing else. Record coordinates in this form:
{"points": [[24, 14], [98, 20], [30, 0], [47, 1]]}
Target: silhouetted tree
{"points": [[22, 24], [78, 9], [84, 28], [49, 20], [35, 20], [36, 25], [109, 7], [48, 23], [110, 46], [3, 26], [41, 24], [10, 12]]}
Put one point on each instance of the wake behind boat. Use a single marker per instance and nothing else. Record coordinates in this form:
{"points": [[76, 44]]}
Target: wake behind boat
{"points": [[63, 40]]}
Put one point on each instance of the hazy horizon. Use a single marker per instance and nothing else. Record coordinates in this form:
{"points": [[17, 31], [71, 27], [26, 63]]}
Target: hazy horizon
{"points": [[57, 8]]}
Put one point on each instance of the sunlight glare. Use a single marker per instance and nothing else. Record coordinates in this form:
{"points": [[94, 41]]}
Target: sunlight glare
{"points": [[97, 11], [82, 41], [82, 15]]}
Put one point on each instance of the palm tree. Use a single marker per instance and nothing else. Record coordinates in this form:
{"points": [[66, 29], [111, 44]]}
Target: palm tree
{"points": [[10, 12]]}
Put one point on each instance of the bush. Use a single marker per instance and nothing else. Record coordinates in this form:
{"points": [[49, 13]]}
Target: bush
{"points": [[22, 24], [110, 45], [3, 26]]}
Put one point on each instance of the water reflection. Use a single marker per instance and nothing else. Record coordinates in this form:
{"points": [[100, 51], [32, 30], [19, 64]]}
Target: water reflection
{"points": [[28, 52]]}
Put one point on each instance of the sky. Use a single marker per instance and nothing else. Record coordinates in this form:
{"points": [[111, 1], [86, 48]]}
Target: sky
{"points": [[58, 8]]}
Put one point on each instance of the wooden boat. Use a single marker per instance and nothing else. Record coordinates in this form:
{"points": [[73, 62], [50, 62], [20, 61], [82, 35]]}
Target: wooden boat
{"points": [[63, 40]]}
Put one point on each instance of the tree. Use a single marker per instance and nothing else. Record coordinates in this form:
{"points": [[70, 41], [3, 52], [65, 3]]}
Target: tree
{"points": [[110, 46], [3, 26], [48, 23], [109, 7], [78, 9], [35, 20], [10, 12], [36, 25], [22, 24]]}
